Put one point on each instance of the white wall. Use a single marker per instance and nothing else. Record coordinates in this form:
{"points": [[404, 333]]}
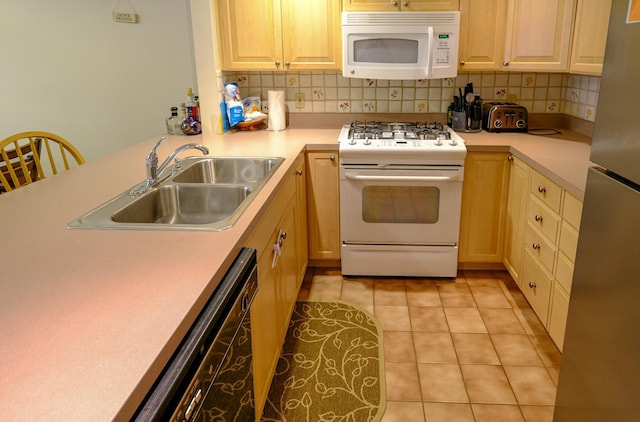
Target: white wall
{"points": [[66, 67]]}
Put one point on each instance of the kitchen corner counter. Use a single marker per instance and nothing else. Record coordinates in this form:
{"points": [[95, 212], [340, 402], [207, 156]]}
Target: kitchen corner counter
{"points": [[88, 318], [563, 158]]}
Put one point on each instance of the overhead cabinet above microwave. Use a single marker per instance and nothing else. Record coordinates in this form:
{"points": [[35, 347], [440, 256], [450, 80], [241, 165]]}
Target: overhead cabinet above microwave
{"points": [[399, 5], [279, 34], [400, 45]]}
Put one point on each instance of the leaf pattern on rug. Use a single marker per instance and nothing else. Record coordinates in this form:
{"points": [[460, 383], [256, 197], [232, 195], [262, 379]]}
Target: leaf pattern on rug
{"points": [[331, 367]]}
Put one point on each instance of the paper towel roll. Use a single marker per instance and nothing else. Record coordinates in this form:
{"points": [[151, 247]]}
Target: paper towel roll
{"points": [[277, 119]]}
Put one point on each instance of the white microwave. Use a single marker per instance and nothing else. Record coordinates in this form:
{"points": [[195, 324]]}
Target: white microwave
{"points": [[400, 45]]}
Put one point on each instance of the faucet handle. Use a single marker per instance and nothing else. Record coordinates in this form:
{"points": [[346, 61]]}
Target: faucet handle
{"points": [[156, 145]]}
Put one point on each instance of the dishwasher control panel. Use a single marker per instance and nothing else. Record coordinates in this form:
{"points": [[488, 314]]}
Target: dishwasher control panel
{"points": [[504, 117]]}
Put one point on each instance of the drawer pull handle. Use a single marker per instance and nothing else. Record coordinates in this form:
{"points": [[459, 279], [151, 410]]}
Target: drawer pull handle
{"points": [[532, 285], [542, 189], [538, 218], [332, 158], [510, 158], [536, 246], [298, 172]]}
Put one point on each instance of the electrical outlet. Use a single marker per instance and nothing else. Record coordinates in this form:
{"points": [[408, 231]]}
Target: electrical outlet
{"points": [[126, 17], [512, 98], [299, 100]]}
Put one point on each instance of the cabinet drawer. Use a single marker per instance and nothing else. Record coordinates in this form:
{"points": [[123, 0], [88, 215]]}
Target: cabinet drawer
{"points": [[540, 247], [568, 241], [558, 315], [547, 191], [564, 272], [545, 220], [536, 286], [572, 211]]}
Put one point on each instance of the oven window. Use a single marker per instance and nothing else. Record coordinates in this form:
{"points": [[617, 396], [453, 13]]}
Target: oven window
{"points": [[385, 50], [400, 204]]}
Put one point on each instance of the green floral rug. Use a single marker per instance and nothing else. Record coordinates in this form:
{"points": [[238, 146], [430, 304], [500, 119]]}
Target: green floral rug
{"points": [[331, 367]]}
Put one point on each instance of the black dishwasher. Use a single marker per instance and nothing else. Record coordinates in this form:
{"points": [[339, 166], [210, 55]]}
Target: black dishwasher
{"points": [[210, 376]]}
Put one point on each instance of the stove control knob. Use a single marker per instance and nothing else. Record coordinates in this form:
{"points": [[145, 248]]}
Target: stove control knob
{"points": [[453, 142], [352, 141], [438, 142], [367, 141]]}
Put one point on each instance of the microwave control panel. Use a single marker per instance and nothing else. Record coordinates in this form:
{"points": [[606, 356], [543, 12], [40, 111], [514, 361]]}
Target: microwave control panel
{"points": [[443, 49]]}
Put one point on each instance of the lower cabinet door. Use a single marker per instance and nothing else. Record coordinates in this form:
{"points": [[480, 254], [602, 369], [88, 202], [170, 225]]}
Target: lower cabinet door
{"points": [[536, 286], [558, 315]]}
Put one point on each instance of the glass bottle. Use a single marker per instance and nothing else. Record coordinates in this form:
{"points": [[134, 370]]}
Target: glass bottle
{"points": [[174, 122]]}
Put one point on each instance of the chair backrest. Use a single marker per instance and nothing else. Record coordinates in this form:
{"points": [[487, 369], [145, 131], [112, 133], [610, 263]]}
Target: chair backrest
{"points": [[31, 156]]}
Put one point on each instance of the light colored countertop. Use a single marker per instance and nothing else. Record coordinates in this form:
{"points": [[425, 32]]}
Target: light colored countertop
{"points": [[88, 318]]}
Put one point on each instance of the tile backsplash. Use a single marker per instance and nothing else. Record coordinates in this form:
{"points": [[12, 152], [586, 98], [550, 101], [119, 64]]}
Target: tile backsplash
{"points": [[330, 92]]}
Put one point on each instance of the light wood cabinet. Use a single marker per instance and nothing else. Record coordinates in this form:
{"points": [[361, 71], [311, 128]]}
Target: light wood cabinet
{"points": [[484, 204], [302, 237], [522, 35], [590, 36], [399, 5], [482, 34], [278, 285], [516, 216], [279, 35], [323, 180]]}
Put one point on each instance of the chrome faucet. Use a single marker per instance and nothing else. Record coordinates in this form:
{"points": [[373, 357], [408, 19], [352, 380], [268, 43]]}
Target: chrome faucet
{"points": [[154, 171]]}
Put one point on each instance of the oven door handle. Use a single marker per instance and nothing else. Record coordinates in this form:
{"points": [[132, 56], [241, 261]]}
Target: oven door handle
{"points": [[352, 176]]}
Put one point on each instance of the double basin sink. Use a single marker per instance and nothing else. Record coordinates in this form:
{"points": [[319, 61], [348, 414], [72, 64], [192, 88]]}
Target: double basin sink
{"points": [[206, 193]]}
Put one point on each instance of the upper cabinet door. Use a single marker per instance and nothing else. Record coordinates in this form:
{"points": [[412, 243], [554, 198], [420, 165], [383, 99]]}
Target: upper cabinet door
{"points": [[482, 32], [398, 5], [590, 36], [249, 33], [538, 34], [311, 34]]}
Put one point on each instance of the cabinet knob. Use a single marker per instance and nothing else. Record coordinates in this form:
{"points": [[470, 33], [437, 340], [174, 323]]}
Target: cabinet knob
{"points": [[461, 62], [287, 64], [394, 3], [505, 63], [298, 172], [542, 189], [510, 158], [536, 246], [405, 3], [332, 158], [277, 63], [532, 285], [538, 218]]}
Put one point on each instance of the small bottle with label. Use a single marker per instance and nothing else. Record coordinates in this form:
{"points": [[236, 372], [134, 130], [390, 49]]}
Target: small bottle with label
{"points": [[174, 122], [191, 125]]}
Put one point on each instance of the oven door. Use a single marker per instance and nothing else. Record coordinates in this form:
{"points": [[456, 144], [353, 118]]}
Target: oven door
{"points": [[400, 205]]}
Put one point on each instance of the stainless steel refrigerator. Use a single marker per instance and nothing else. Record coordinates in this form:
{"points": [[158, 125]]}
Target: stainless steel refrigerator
{"points": [[600, 371]]}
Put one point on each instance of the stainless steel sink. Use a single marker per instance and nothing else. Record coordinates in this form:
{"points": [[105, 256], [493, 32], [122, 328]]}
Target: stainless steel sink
{"points": [[201, 193]]}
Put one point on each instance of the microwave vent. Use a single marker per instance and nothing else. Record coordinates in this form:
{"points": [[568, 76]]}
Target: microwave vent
{"points": [[395, 18]]}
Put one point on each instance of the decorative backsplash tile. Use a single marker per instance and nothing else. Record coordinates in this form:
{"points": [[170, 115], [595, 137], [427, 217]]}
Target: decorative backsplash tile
{"points": [[330, 92]]}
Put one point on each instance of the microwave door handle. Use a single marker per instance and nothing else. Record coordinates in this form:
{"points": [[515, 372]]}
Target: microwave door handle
{"points": [[359, 177], [429, 52]]}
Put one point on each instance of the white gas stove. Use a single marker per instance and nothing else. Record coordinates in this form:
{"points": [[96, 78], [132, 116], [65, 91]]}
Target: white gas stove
{"points": [[401, 143]]}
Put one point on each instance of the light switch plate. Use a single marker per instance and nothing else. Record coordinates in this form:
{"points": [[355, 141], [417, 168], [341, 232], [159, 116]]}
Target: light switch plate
{"points": [[299, 100]]}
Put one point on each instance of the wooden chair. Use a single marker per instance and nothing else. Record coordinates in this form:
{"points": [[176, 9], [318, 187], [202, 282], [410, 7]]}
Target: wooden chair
{"points": [[31, 156]]}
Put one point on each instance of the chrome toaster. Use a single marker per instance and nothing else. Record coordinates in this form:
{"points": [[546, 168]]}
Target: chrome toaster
{"points": [[504, 117]]}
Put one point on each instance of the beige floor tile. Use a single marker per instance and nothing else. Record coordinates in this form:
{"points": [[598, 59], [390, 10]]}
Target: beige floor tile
{"points": [[537, 413], [425, 318], [402, 381], [325, 290], [434, 348], [358, 291], [500, 321], [422, 293], [327, 271], [403, 411], [448, 412], [489, 297], [398, 346], [497, 412], [530, 321], [515, 349], [487, 384], [547, 350], [389, 294], [475, 349], [393, 318], [464, 320], [456, 295], [480, 278], [442, 382], [531, 385]]}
